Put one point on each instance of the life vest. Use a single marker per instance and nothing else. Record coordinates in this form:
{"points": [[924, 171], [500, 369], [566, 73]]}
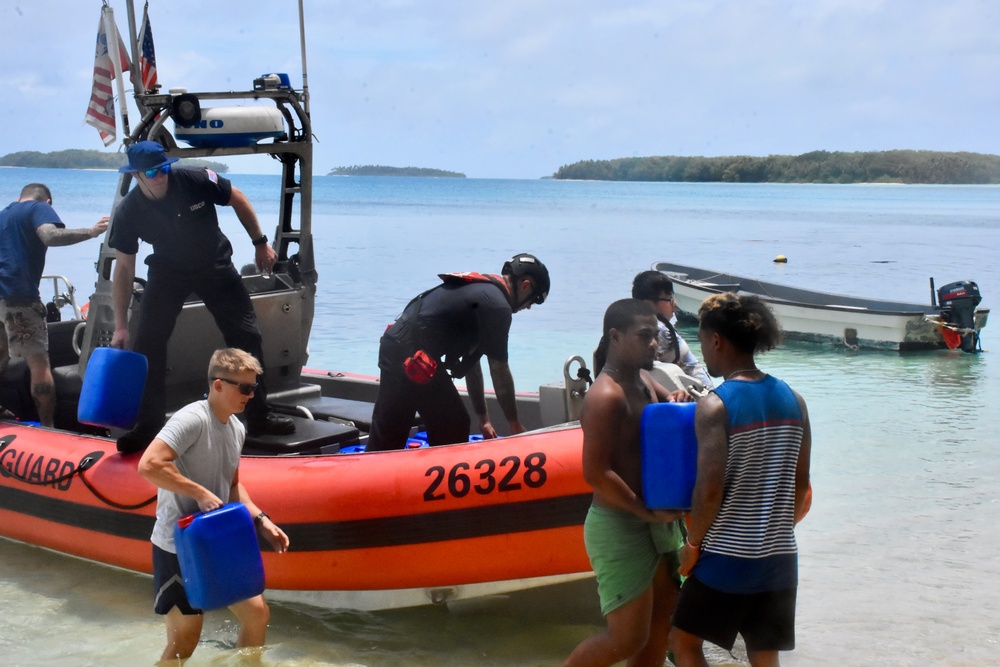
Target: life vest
{"points": [[466, 277]]}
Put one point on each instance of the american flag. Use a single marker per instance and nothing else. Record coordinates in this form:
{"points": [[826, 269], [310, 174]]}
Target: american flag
{"points": [[147, 57], [101, 110]]}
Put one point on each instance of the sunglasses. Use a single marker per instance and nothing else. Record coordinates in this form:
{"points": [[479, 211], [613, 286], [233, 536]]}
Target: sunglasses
{"points": [[669, 299], [151, 173], [246, 388]]}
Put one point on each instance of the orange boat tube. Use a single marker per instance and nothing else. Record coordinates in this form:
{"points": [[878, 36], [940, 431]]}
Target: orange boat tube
{"points": [[495, 510]]}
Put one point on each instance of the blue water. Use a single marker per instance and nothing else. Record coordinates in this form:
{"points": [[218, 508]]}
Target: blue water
{"points": [[898, 557]]}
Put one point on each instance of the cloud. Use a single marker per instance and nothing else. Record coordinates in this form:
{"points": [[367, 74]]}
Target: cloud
{"points": [[518, 88]]}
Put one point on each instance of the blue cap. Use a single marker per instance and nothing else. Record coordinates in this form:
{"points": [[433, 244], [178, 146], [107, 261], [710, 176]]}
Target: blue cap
{"points": [[144, 155]]}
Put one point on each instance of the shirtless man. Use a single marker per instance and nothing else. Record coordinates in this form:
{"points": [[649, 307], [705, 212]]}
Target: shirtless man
{"points": [[633, 550]]}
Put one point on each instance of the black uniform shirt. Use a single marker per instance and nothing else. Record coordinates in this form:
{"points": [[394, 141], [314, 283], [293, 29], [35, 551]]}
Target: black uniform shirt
{"points": [[183, 227], [459, 323]]}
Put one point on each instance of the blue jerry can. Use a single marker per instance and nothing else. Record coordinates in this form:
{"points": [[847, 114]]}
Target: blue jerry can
{"points": [[112, 388], [669, 455], [219, 556]]}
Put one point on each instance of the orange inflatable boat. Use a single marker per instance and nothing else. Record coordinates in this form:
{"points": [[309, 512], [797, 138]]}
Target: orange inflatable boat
{"points": [[504, 510], [398, 528]]}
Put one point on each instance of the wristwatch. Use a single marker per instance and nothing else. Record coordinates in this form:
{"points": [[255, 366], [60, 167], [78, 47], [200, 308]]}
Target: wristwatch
{"points": [[261, 241], [260, 517]]}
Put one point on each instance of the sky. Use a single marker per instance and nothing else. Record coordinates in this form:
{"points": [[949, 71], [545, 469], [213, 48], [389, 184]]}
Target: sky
{"points": [[518, 88]]}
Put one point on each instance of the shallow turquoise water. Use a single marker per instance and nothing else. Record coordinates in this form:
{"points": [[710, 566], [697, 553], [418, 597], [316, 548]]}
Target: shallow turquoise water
{"points": [[898, 563]]}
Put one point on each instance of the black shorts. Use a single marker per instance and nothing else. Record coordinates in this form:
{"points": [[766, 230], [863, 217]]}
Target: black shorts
{"points": [[766, 620], [168, 584]]}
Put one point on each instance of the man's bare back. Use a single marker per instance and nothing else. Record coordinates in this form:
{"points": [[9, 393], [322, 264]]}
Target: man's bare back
{"points": [[627, 399]]}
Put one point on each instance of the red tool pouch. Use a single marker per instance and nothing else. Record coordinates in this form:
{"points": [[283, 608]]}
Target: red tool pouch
{"points": [[420, 368]]}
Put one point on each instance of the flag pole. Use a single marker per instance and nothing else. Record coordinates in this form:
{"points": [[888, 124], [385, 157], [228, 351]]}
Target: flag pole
{"points": [[305, 75], [111, 30], [135, 73]]}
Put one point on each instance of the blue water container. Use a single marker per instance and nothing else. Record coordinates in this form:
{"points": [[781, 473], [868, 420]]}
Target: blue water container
{"points": [[219, 556], [669, 455], [112, 388], [417, 441]]}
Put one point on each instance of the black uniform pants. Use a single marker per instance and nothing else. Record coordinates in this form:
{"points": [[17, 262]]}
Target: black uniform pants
{"points": [[399, 399], [225, 298]]}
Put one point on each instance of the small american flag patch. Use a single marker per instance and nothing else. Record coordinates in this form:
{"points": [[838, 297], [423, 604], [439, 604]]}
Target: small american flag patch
{"points": [[212, 176]]}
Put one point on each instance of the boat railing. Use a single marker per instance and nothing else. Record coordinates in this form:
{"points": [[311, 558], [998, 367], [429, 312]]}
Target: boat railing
{"points": [[287, 101], [66, 297]]}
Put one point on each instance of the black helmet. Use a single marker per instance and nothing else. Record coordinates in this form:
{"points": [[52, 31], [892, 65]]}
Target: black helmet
{"points": [[523, 265]]}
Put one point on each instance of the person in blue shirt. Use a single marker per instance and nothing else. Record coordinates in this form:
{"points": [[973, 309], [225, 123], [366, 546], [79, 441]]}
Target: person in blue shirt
{"points": [[28, 228]]}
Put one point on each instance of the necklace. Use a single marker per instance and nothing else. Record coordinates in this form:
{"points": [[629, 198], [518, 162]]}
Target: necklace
{"points": [[739, 372], [609, 369]]}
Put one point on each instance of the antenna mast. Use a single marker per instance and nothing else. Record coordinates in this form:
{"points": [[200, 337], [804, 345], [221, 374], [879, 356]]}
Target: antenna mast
{"points": [[305, 75]]}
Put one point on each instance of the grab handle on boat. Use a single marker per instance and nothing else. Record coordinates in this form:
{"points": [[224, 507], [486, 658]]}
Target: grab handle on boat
{"points": [[78, 338], [576, 387], [89, 460], [305, 412]]}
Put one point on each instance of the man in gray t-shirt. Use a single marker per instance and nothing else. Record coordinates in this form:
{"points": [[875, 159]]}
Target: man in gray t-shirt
{"points": [[194, 460]]}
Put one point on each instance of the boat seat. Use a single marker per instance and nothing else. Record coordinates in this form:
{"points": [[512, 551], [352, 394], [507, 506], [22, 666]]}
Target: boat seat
{"points": [[69, 384], [358, 413], [67, 379], [310, 437], [61, 343]]}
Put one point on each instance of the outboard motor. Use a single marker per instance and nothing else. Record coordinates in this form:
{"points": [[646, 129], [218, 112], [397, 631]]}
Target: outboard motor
{"points": [[958, 303]]}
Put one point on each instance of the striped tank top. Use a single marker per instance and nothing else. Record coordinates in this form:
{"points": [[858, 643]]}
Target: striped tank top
{"points": [[750, 546]]}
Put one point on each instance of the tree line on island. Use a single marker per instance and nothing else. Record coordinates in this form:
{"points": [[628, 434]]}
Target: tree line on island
{"points": [[897, 166], [75, 158], [379, 170]]}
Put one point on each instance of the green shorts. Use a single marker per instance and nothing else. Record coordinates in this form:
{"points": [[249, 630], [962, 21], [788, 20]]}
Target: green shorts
{"points": [[624, 551]]}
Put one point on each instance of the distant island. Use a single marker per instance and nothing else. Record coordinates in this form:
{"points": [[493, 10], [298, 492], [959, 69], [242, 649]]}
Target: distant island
{"points": [[897, 166], [378, 170], [75, 158]]}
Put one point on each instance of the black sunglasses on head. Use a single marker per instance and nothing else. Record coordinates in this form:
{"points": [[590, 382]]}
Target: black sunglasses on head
{"points": [[246, 388]]}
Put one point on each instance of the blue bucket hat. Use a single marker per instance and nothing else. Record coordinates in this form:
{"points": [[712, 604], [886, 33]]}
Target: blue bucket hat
{"points": [[144, 155]]}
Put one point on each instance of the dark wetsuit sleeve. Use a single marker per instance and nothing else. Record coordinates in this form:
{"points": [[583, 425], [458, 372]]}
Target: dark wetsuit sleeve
{"points": [[494, 328]]}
